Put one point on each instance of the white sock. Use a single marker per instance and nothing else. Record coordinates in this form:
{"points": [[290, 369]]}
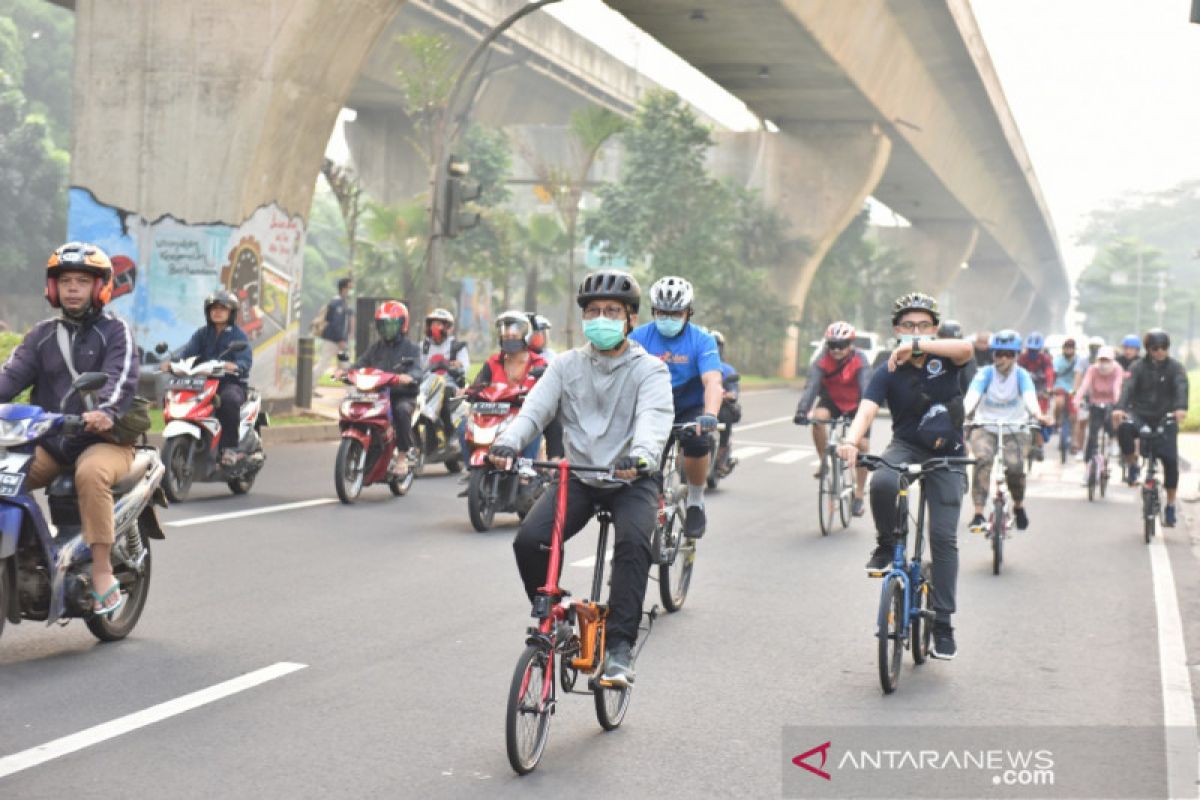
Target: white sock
{"points": [[695, 495]]}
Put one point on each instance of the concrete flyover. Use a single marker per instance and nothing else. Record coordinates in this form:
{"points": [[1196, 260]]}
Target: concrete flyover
{"points": [[895, 99]]}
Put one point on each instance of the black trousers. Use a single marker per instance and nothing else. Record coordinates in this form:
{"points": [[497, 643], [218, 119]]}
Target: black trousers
{"points": [[1165, 449], [634, 508], [229, 412], [1096, 418], [402, 411]]}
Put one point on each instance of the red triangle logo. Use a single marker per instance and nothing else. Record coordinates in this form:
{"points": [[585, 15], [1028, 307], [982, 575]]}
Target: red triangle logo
{"points": [[823, 749]]}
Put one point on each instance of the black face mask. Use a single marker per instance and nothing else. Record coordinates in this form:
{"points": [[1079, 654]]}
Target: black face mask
{"points": [[511, 345]]}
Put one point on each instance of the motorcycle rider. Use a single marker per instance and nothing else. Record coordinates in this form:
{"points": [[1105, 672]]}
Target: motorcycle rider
{"points": [[514, 364], [539, 342], [691, 356], [393, 352], [209, 343], [616, 407], [79, 282], [443, 352]]}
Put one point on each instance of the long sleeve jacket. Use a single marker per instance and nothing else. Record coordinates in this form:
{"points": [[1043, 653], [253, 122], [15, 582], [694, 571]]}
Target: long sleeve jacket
{"points": [[1155, 389]]}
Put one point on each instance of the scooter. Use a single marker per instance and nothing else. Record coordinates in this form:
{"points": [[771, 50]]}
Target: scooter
{"points": [[490, 490], [432, 444], [45, 573], [368, 452], [193, 432]]}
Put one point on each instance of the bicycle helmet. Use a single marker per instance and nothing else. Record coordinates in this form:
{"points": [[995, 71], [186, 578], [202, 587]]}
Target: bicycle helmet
{"points": [[1157, 337], [1132, 340], [839, 333], [671, 294], [1096, 341], [914, 301], [1035, 342], [610, 284], [222, 297], [950, 329], [391, 319], [1005, 341], [1106, 352], [80, 257]]}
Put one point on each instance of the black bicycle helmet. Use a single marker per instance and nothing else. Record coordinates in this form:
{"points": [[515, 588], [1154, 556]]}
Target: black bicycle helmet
{"points": [[610, 284], [914, 301], [950, 329], [1156, 337], [222, 297]]}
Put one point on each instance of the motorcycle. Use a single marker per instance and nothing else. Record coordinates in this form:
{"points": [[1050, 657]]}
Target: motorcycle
{"points": [[45, 574], [368, 452], [432, 444], [193, 432], [490, 490]]}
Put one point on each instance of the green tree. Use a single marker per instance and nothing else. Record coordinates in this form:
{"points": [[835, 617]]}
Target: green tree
{"points": [[1119, 289], [48, 34], [393, 244], [326, 257], [426, 75]]}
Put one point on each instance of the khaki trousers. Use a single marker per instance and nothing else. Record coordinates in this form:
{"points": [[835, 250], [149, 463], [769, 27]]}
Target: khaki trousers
{"points": [[96, 470]]}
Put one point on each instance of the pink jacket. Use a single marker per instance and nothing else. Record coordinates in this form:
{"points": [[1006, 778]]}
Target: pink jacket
{"points": [[1098, 388]]}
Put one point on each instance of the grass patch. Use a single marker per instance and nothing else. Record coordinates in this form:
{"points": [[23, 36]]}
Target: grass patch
{"points": [[1192, 422]]}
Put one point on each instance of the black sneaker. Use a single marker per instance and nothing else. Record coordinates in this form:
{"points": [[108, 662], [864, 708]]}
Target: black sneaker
{"points": [[1021, 517], [1134, 470], [977, 524], [1169, 517], [943, 641], [859, 508], [1038, 453], [618, 665], [881, 558], [693, 526]]}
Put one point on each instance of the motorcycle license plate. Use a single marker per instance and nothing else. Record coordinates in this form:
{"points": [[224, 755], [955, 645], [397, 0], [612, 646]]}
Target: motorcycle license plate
{"points": [[191, 384], [10, 476], [491, 408], [361, 397]]}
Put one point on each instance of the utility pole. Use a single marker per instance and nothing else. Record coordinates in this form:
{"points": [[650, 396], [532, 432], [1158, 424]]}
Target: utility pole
{"points": [[1160, 305], [1137, 325]]}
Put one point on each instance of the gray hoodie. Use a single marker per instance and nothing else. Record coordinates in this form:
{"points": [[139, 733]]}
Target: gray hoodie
{"points": [[610, 406]]}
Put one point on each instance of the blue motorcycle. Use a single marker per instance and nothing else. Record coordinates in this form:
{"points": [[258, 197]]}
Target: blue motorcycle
{"points": [[45, 569]]}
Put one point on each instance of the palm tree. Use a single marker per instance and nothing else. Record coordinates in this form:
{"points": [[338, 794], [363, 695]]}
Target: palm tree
{"points": [[395, 236]]}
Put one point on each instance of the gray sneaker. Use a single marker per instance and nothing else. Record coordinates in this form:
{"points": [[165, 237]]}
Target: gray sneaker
{"points": [[618, 665]]}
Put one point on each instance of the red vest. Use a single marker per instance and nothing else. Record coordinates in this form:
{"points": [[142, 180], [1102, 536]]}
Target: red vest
{"points": [[496, 366], [839, 380]]}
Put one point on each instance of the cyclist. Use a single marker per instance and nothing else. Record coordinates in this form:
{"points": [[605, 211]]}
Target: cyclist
{"points": [[1131, 348], [615, 403], [1040, 366], [1094, 345], [731, 409], [1001, 393], [393, 352], [1158, 386], [982, 356], [515, 364], [1068, 374], [208, 343], [79, 282], [837, 381], [920, 387], [691, 356], [539, 342], [1101, 385], [952, 329]]}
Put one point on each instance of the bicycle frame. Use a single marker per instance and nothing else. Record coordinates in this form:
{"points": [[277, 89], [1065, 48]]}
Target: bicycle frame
{"points": [[841, 477], [1152, 490]]}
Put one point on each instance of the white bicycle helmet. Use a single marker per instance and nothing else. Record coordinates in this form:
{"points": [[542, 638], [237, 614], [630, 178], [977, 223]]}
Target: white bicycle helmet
{"points": [[671, 294]]}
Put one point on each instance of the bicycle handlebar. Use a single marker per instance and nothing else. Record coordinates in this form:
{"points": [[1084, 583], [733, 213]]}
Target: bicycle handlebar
{"points": [[873, 462], [1006, 425]]}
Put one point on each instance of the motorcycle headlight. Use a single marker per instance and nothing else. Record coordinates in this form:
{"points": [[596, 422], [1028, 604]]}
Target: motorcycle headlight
{"points": [[12, 432]]}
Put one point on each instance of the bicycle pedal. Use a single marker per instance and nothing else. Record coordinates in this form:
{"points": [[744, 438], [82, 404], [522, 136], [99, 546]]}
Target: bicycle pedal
{"points": [[877, 574]]}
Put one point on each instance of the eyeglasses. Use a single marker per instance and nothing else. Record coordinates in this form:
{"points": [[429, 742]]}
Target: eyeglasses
{"points": [[609, 312], [1158, 348], [923, 327], [838, 344]]}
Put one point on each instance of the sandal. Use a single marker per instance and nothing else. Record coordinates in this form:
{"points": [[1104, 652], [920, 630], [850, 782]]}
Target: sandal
{"points": [[101, 608]]}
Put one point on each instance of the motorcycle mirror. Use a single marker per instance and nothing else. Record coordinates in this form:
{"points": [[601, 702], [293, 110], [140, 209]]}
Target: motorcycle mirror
{"points": [[161, 348], [238, 346], [90, 382], [537, 372]]}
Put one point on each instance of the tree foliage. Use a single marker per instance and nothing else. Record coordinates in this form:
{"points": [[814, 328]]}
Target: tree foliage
{"points": [[1110, 296]]}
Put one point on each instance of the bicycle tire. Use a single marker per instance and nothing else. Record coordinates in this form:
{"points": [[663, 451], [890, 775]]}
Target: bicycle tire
{"points": [[890, 633], [1104, 479], [826, 495], [1092, 470], [845, 492], [611, 704], [921, 629], [675, 574], [998, 532], [527, 727]]}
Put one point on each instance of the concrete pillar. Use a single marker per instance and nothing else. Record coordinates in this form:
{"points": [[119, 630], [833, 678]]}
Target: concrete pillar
{"points": [[989, 295], [199, 133], [937, 250], [380, 142]]}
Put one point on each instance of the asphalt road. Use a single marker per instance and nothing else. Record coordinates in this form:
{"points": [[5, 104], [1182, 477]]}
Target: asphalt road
{"points": [[409, 624]]}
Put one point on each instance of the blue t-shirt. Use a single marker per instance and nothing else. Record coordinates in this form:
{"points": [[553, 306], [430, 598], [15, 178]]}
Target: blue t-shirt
{"points": [[1065, 371], [688, 356], [909, 391]]}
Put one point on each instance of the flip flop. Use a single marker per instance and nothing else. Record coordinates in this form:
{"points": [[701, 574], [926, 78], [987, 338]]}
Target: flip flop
{"points": [[101, 608]]}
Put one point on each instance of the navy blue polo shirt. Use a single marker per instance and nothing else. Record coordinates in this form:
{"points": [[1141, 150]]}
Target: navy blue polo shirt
{"points": [[909, 391]]}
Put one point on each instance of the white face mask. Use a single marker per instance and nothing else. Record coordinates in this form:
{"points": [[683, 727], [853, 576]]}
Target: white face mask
{"points": [[1106, 367]]}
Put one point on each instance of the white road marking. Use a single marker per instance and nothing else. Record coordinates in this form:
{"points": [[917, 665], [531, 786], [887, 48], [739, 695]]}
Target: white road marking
{"points": [[748, 452], [788, 457], [183, 523], [34, 756], [590, 561], [807, 447], [763, 424], [1179, 715]]}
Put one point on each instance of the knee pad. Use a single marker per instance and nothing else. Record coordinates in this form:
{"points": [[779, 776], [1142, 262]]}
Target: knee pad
{"points": [[696, 445]]}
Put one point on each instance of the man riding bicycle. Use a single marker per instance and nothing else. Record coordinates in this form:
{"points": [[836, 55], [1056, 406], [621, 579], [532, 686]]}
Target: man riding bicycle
{"points": [[731, 409], [691, 355], [1001, 394], [1157, 387], [952, 329], [1040, 366], [79, 282], [1068, 374], [836, 380], [1131, 348], [614, 401], [920, 387]]}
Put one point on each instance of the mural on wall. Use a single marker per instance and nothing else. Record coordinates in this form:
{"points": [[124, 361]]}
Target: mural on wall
{"points": [[165, 268]]}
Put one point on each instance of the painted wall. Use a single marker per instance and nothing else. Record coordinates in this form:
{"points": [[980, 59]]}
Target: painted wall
{"points": [[172, 265]]}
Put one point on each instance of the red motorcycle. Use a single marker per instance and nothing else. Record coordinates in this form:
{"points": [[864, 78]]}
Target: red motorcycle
{"points": [[368, 452], [489, 489]]}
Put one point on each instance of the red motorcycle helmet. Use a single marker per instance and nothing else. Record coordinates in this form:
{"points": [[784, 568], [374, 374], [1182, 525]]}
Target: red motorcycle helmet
{"points": [[391, 319]]}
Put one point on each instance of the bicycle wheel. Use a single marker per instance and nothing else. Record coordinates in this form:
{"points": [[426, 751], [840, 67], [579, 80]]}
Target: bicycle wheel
{"points": [[527, 726], [1093, 479], [845, 492], [1104, 478], [998, 533], [611, 703], [826, 495], [921, 629], [675, 570], [890, 633]]}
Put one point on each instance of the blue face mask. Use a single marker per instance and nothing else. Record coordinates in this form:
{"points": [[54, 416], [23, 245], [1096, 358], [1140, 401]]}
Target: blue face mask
{"points": [[604, 333], [668, 327]]}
